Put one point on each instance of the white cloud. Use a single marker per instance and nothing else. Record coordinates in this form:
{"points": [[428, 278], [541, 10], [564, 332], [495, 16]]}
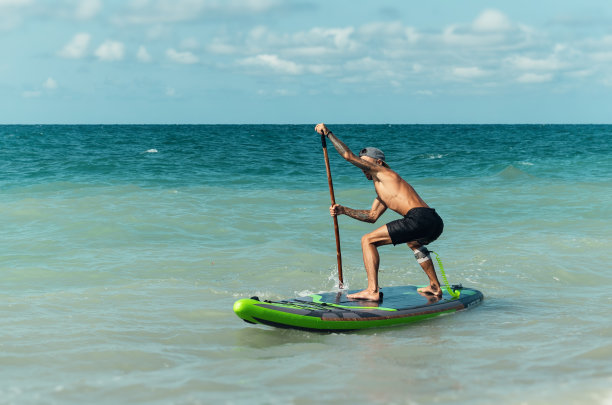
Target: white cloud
{"points": [[189, 43], [31, 94], [222, 47], [284, 92], [158, 31], [186, 57], [10, 14], [159, 12], [276, 92], [77, 47], [458, 36], [428, 93], [387, 54], [491, 28], [110, 51], [395, 30], [363, 64], [87, 9], [535, 78], [316, 42], [14, 3], [177, 11], [580, 74], [605, 56], [274, 63], [412, 34], [527, 63], [384, 55], [491, 21], [50, 84], [381, 55], [334, 39], [143, 55], [393, 40], [468, 72]]}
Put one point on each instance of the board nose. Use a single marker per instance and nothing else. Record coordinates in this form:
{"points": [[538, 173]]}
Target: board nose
{"points": [[241, 308]]}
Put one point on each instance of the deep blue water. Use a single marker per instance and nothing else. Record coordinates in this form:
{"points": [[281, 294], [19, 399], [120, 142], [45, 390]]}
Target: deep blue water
{"points": [[290, 155]]}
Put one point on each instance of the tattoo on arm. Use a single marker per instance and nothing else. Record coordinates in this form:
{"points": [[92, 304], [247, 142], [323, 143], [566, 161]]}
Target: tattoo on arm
{"points": [[338, 144], [361, 215], [347, 154]]}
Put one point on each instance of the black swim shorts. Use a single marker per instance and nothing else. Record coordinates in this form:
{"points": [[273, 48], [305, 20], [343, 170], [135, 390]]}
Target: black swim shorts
{"points": [[420, 224]]}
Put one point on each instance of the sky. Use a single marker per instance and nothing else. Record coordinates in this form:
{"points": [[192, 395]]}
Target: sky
{"points": [[305, 61]]}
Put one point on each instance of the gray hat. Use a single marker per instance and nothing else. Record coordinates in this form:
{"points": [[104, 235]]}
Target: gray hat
{"points": [[374, 153]]}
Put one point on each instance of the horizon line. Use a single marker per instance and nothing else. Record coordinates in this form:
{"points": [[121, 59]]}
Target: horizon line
{"points": [[294, 124]]}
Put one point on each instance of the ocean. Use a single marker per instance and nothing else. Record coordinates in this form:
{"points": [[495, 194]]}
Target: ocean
{"points": [[123, 249]]}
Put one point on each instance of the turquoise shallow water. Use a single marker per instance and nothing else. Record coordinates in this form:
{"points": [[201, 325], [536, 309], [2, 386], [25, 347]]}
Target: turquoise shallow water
{"points": [[124, 248]]}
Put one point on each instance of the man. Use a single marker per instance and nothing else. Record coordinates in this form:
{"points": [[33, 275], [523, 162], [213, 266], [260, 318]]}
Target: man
{"points": [[420, 226]]}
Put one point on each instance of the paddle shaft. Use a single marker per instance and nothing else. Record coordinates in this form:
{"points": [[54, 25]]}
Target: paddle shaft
{"points": [[333, 201]]}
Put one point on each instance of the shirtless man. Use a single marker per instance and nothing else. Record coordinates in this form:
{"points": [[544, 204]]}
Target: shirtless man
{"points": [[420, 226]]}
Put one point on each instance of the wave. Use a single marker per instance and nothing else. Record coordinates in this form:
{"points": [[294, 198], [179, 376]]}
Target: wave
{"points": [[513, 173]]}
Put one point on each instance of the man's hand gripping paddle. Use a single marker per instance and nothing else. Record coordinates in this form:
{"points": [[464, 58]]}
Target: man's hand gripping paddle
{"points": [[333, 201]]}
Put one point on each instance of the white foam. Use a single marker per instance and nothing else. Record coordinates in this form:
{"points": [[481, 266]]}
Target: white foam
{"points": [[334, 277], [303, 293], [607, 399]]}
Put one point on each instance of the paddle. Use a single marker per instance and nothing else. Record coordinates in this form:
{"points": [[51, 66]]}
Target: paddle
{"points": [[333, 201]]}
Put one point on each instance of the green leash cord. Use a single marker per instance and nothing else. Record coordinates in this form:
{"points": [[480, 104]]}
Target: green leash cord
{"points": [[453, 293]]}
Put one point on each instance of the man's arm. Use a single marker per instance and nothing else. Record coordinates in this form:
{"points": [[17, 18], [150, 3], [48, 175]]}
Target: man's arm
{"points": [[371, 215], [344, 150]]}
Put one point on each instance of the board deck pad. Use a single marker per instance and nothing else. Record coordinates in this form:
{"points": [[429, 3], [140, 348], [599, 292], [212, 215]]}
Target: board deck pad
{"points": [[334, 311]]}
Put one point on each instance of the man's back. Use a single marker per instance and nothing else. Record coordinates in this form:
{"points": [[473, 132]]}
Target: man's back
{"points": [[395, 192]]}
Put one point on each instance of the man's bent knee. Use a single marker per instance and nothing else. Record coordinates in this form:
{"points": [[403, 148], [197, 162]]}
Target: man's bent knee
{"points": [[375, 238], [366, 239]]}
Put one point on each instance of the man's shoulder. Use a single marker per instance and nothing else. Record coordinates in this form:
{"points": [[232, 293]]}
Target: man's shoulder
{"points": [[389, 173]]}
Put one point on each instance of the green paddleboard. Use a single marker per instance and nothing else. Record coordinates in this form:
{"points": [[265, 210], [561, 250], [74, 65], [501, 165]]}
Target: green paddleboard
{"points": [[333, 311]]}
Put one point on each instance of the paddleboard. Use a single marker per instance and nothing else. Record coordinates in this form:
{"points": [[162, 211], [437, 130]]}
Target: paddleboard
{"points": [[334, 312]]}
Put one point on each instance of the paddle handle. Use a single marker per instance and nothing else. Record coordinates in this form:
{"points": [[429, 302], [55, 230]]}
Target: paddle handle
{"points": [[333, 201]]}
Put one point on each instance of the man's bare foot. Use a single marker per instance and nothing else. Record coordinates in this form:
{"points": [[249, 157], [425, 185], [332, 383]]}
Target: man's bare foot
{"points": [[366, 295], [431, 299], [431, 290]]}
